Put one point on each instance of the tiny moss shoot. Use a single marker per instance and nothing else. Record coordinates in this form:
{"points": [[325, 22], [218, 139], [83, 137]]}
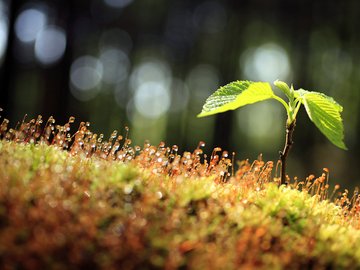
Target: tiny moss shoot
{"points": [[322, 110]]}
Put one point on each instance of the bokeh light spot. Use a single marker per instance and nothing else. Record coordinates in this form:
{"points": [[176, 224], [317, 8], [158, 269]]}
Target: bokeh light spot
{"points": [[29, 23], [85, 75], [50, 45], [261, 123], [152, 99], [150, 84], [267, 62], [86, 72], [3, 36], [150, 70], [116, 65]]}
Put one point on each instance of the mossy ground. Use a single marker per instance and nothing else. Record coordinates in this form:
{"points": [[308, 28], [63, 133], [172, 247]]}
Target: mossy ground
{"points": [[93, 207]]}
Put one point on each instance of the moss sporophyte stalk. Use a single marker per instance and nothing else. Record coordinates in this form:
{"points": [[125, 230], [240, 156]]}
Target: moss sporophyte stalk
{"points": [[322, 110]]}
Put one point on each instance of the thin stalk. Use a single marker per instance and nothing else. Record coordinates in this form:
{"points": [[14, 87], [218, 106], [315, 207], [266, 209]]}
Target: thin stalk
{"points": [[283, 103], [288, 144], [297, 106]]}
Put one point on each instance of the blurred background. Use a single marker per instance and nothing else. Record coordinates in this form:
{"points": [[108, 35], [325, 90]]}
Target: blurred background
{"points": [[151, 64]]}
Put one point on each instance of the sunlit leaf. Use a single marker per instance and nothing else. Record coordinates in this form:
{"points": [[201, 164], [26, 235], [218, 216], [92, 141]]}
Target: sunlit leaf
{"points": [[325, 113], [236, 94], [284, 88]]}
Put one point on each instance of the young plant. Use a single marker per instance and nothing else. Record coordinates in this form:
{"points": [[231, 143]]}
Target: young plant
{"points": [[322, 110]]}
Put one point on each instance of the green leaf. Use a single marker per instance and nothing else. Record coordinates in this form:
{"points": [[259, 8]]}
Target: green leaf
{"points": [[284, 88], [236, 94], [325, 113], [300, 93]]}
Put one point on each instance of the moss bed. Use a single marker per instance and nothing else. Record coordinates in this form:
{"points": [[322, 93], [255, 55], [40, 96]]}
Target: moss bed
{"points": [[77, 201]]}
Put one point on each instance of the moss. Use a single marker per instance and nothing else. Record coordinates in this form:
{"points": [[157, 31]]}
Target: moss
{"points": [[158, 209]]}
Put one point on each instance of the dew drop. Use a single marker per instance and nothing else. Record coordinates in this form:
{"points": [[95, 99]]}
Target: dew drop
{"points": [[101, 136], [159, 194], [71, 119], [116, 146], [128, 189], [39, 120], [161, 144], [147, 144], [87, 193]]}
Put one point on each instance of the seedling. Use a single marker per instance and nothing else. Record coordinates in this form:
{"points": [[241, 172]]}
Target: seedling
{"points": [[322, 110]]}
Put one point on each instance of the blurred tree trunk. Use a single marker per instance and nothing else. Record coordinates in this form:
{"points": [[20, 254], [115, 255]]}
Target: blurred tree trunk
{"points": [[9, 67], [56, 78], [224, 124]]}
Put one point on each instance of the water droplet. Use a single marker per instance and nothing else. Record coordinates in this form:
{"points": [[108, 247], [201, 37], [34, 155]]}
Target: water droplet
{"points": [[101, 136], [161, 144], [71, 119], [39, 120], [128, 189], [114, 134], [159, 194], [115, 147]]}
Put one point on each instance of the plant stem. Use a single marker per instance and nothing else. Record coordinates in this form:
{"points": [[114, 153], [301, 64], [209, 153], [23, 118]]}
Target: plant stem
{"points": [[282, 102], [283, 155]]}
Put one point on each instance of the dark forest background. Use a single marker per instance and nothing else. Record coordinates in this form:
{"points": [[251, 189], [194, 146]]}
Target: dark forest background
{"points": [[150, 65]]}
